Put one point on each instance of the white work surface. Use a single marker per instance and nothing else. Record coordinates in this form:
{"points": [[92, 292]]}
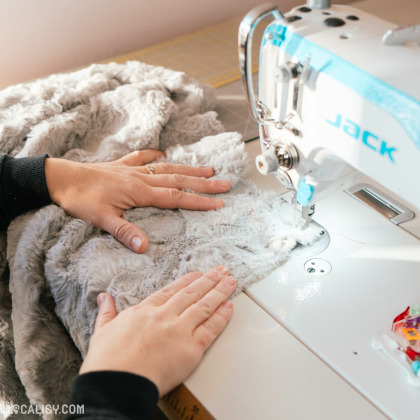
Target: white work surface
{"points": [[257, 369], [299, 344]]}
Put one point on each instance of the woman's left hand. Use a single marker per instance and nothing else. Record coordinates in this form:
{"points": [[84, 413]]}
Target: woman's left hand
{"points": [[164, 337], [100, 192]]}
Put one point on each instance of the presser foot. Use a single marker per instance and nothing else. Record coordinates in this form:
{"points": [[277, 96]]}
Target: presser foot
{"points": [[303, 215]]}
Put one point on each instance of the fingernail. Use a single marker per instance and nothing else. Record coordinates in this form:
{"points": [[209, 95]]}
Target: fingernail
{"points": [[101, 299], [208, 169], [230, 281], [224, 184], [136, 243], [228, 306], [222, 269], [219, 203]]}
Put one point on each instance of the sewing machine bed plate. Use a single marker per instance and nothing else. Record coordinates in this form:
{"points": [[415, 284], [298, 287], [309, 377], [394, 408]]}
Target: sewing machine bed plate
{"points": [[374, 276]]}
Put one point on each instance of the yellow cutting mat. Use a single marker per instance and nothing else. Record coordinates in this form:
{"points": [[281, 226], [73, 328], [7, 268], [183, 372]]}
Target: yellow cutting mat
{"points": [[209, 55]]}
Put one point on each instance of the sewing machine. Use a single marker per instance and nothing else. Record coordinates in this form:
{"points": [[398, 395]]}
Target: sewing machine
{"points": [[339, 113], [339, 92]]}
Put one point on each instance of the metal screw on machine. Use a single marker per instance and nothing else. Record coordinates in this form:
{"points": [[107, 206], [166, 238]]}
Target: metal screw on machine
{"points": [[319, 4], [317, 266], [290, 70]]}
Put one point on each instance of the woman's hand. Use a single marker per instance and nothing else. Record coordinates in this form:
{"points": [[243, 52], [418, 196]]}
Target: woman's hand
{"points": [[164, 337], [100, 192]]}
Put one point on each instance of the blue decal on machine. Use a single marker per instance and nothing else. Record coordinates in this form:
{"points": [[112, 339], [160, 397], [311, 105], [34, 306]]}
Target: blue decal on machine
{"points": [[369, 139], [404, 108]]}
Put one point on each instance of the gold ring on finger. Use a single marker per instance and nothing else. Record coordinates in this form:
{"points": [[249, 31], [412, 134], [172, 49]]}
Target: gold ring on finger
{"points": [[150, 169]]}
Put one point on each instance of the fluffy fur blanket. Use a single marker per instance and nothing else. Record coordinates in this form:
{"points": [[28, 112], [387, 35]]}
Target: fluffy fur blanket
{"points": [[58, 265]]}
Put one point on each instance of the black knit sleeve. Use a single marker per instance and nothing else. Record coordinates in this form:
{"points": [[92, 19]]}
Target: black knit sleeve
{"points": [[113, 396], [23, 186]]}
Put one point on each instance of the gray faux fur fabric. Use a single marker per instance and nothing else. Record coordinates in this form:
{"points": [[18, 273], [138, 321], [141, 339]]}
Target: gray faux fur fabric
{"points": [[58, 265]]}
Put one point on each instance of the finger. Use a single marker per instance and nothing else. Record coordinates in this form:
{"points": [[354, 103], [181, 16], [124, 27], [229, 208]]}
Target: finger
{"points": [[171, 168], [195, 291], [209, 330], [201, 185], [163, 295], [107, 310], [172, 198], [202, 310], [125, 232], [140, 157]]}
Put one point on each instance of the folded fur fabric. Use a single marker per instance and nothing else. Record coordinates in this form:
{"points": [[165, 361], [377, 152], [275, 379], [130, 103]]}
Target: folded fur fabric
{"points": [[58, 265]]}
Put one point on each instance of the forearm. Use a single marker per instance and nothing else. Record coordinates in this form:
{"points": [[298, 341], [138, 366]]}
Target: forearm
{"points": [[23, 186], [113, 395]]}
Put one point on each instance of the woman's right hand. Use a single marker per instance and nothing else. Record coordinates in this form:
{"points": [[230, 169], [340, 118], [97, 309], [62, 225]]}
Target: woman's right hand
{"points": [[164, 337]]}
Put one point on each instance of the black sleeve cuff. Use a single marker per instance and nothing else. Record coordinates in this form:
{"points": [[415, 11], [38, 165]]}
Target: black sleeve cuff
{"points": [[114, 395], [23, 186]]}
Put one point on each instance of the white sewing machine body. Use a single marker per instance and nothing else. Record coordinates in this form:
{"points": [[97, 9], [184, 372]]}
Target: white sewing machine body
{"points": [[358, 111], [334, 98]]}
